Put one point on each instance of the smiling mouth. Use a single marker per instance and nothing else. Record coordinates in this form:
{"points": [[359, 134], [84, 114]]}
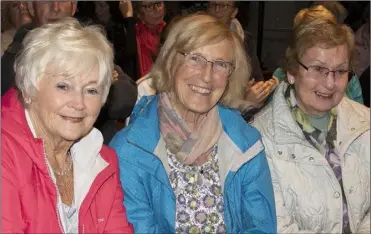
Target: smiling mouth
{"points": [[72, 119], [200, 90], [323, 95]]}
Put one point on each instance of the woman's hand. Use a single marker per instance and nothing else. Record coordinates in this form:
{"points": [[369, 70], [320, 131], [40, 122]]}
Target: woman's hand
{"points": [[257, 93], [126, 9]]}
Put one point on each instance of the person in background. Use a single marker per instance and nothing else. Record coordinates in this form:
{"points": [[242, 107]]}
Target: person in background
{"points": [[147, 32], [362, 49], [13, 15], [317, 140], [353, 90], [123, 92], [258, 89], [57, 176], [189, 162]]}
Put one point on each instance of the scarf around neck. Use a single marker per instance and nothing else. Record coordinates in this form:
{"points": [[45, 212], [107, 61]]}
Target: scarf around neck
{"points": [[185, 145]]}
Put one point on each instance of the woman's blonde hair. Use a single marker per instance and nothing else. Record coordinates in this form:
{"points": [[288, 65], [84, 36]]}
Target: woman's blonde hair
{"points": [[190, 33], [316, 26]]}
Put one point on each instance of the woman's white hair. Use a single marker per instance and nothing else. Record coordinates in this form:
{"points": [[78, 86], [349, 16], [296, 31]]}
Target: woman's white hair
{"points": [[64, 47]]}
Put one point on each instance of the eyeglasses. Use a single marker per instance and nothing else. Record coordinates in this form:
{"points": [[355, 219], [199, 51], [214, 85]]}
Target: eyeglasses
{"points": [[220, 6], [152, 6], [315, 71], [220, 68]]}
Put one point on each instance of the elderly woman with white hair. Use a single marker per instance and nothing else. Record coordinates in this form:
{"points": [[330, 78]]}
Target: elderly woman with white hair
{"points": [[189, 162], [57, 176]]}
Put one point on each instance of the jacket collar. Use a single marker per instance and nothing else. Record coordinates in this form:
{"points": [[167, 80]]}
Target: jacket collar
{"points": [[236, 139], [353, 119], [285, 127], [14, 114]]}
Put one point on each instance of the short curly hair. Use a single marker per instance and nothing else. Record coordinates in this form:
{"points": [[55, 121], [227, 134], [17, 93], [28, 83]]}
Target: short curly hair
{"points": [[68, 47], [312, 27]]}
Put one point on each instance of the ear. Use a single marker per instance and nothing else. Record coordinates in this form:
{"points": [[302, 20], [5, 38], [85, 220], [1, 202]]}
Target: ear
{"points": [[31, 9], [290, 78], [74, 7], [234, 13]]}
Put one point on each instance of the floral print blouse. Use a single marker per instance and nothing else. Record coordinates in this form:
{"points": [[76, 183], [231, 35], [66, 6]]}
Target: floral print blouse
{"points": [[199, 198]]}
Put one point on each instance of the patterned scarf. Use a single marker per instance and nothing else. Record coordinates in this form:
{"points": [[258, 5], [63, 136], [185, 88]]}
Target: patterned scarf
{"points": [[185, 145], [322, 141]]}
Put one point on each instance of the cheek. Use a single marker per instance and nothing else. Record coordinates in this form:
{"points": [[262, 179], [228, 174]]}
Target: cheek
{"points": [[93, 106], [220, 83]]}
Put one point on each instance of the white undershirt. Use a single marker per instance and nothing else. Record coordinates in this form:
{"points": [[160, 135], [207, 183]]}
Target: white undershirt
{"points": [[86, 167]]}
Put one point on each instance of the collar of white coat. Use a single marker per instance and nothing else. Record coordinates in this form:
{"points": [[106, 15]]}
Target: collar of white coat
{"points": [[353, 119]]}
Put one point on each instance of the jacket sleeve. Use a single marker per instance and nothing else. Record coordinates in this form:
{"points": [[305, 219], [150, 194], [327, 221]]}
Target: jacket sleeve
{"points": [[139, 211], [259, 197], [11, 215], [117, 222], [354, 90], [285, 222]]}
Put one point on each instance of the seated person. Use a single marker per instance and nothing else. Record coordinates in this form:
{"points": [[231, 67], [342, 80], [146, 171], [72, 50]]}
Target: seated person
{"points": [[317, 140], [258, 89], [57, 176], [189, 162], [353, 90]]}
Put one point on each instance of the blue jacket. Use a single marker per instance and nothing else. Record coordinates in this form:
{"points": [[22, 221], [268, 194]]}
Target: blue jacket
{"points": [[353, 91], [149, 198]]}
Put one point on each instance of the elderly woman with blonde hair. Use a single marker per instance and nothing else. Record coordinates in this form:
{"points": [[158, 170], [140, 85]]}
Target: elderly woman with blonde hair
{"points": [[57, 176], [189, 163], [317, 140]]}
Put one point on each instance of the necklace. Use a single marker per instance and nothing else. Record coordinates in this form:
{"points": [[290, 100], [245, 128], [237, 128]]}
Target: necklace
{"points": [[68, 168]]}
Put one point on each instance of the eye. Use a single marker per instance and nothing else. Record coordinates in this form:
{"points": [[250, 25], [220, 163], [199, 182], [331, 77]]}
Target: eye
{"points": [[319, 69], [341, 71], [92, 91], [221, 64], [62, 86], [194, 58]]}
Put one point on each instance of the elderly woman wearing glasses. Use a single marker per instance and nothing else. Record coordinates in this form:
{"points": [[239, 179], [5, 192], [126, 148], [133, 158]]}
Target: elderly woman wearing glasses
{"points": [[317, 140], [189, 162], [57, 176]]}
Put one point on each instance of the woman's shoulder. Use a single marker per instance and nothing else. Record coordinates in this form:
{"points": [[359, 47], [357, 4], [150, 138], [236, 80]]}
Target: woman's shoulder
{"points": [[241, 133]]}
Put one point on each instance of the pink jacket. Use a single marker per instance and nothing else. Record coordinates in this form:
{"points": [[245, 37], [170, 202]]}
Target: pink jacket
{"points": [[28, 194]]}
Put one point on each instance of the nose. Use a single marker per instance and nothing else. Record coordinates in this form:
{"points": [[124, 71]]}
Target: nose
{"points": [[330, 80], [22, 5], [77, 100], [56, 6], [207, 75]]}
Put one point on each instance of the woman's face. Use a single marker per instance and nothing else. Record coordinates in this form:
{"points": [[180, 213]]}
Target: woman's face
{"points": [[152, 12], [317, 94], [102, 11], [19, 14], [197, 90], [65, 108]]}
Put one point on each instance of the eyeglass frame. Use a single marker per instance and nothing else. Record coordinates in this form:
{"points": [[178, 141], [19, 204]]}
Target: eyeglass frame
{"points": [[152, 5], [212, 62], [350, 72]]}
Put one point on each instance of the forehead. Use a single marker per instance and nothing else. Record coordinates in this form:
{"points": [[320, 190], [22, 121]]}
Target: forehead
{"points": [[221, 50], [76, 76], [332, 56], [230, 3]]}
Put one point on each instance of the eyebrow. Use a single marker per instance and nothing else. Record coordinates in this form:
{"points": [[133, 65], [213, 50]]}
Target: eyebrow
{"points": [[325, 64]]}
